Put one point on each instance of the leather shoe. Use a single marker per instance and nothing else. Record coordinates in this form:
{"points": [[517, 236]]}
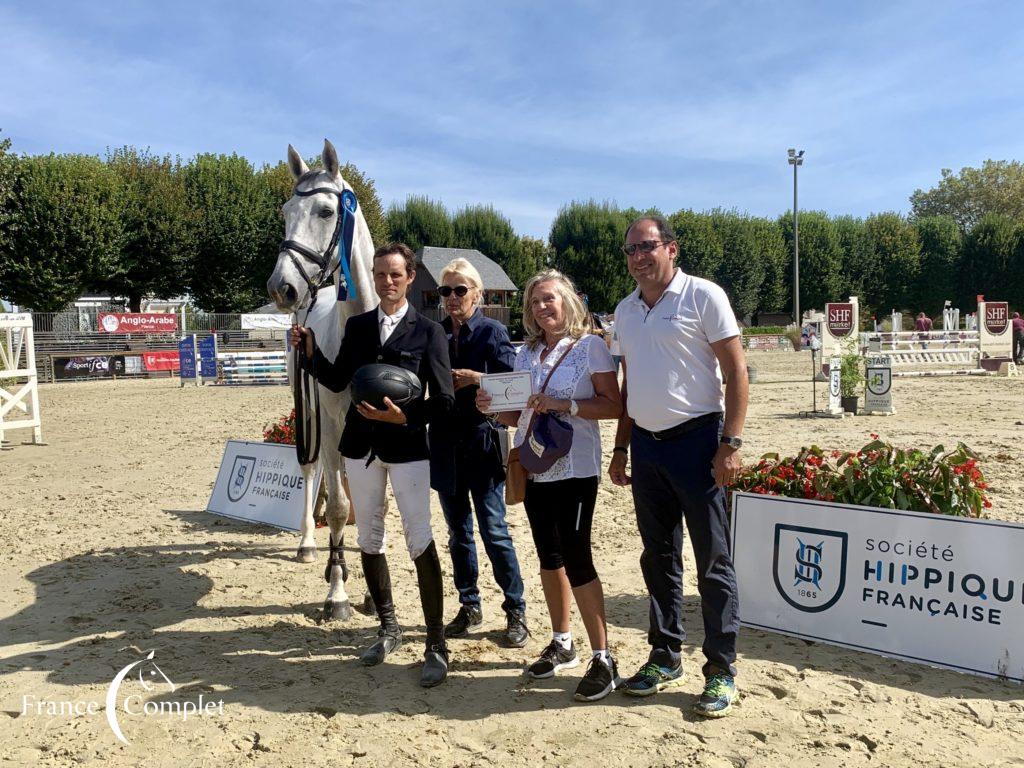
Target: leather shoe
{"points": [[469, 616], [516, 631], [435, 666], [387, 641]]}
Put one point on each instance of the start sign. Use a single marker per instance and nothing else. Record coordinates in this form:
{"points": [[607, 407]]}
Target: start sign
{"points": [[878, 394]]}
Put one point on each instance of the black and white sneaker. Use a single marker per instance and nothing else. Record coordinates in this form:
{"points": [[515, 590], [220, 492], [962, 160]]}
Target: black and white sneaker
{"points": [[600, 680], [552, 659]]}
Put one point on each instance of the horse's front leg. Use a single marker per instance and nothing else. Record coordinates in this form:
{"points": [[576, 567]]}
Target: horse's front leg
{"points": [[336, 605], [307, 527]]}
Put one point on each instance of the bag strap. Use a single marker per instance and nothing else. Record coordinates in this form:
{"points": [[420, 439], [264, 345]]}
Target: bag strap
{"points": [[551, 373]]}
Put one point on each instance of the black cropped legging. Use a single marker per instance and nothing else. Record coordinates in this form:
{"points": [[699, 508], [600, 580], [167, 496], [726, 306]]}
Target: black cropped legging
{"points": [[561, 513]]}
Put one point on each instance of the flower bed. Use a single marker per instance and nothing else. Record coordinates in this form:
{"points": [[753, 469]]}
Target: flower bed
{"points": [[281, 431], [878, 475]]}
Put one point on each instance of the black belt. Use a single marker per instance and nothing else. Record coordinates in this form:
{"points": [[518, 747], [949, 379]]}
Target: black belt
{"points": [[680, 429]]}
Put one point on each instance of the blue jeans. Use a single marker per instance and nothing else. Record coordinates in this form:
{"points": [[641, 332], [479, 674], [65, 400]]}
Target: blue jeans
{"points": [[489, 503], [673, 482]]}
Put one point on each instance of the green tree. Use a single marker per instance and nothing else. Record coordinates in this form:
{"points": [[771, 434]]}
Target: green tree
{"points": [[941, 245], [237, 231], [700, 247], [861, 271], [996, 187], [820, 258], [157, 226], [896, 248], [775, 287], [483, 228], [586, 241], [741, 271], [63, 231], [533, 256], [420, 222], [988, 262]]}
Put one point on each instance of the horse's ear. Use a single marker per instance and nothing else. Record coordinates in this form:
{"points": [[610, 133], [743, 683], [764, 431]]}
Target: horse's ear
{"points": [[330, 158], [295, 163]]}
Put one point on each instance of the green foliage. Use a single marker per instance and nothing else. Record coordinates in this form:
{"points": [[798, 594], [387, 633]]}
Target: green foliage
{"points": [[483, 228], [941, 243], [988, 262], [420, 222], [821, 259], [896, 248], [861, 271], [238, 227], [851, 372], [741, 271], [700, 248], [776, 288], [157, 223], [586, 240], [878, 475], [63, 229], [764, 330], [996, 187]]}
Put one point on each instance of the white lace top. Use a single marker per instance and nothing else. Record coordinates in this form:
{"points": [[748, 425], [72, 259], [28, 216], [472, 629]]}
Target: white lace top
{"points": [[570, 382]]}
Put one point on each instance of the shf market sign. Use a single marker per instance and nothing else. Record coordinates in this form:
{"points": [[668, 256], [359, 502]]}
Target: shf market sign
{"points": [[929, 588]]}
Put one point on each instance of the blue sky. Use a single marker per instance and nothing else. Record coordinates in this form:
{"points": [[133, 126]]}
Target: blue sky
{"points": [[529, 105]]}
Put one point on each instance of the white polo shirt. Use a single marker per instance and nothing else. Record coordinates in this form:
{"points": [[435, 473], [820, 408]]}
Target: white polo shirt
{"points": [[672, 372]]}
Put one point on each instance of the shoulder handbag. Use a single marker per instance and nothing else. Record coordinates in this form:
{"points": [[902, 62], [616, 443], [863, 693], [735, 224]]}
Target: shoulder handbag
{"points": [[515, 473]]}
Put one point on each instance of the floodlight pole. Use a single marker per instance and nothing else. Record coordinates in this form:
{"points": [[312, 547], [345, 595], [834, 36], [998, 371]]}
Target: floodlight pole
{"points": [[796, 159]]}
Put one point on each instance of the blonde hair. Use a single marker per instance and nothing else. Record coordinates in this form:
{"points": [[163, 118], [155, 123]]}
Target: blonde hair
{"points": [[464, 268], [577, 319]]}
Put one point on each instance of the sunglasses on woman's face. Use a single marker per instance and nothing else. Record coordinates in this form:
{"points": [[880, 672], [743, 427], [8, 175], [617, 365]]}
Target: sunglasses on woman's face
{"points": [[458, 290]]}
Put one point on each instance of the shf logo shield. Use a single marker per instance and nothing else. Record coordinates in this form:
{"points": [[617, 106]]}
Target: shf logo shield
{"points": [[997, 317], [240, 477], [839, 318], [809, 566]]}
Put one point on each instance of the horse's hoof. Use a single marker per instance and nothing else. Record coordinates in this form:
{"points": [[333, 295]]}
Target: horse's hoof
{"points": [[306, 555], [337, 610]]}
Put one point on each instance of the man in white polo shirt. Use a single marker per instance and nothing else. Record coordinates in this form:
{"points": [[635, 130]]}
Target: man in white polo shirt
{"points": [[678, 335]]}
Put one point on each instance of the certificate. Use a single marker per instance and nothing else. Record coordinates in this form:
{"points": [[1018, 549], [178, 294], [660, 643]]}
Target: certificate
{"points": [[508, 391]]}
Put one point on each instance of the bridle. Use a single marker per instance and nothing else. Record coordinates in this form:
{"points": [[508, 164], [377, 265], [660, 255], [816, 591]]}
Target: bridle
{"points": [[304, 388], [322, 260]]}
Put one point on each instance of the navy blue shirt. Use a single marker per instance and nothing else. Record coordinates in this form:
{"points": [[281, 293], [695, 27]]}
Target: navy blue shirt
{"points": [[483, 345]]}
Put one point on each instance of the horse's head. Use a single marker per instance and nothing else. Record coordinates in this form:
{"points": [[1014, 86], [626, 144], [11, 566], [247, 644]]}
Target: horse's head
{"points": [[308, 255]]}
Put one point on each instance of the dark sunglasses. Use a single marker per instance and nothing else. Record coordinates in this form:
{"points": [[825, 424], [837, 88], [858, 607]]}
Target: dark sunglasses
{"points": [[458, 290], [645, 247]]}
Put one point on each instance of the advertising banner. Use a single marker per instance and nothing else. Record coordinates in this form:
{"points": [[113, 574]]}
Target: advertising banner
{"points": [[133, 365], [261, 322], [187, 358], [86, 367], [136, 322], [261, 483], [923, 587], [161, 360], [207, 346]]}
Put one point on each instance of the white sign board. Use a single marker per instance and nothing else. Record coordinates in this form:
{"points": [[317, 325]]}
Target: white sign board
{"points": [[878, 391], [261, 483], [923, 587], [264, 322], [835, 405]]}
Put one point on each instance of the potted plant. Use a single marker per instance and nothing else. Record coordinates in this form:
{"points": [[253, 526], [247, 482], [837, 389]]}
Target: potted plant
{"points": [[851, 379]]}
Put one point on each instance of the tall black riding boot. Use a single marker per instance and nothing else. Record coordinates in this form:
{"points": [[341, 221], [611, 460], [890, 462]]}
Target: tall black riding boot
{"points": [[378, 582], [435, 658]]}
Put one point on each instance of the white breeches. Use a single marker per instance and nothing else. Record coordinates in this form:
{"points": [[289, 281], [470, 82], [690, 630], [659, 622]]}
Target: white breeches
{"points": [[410, 482]]}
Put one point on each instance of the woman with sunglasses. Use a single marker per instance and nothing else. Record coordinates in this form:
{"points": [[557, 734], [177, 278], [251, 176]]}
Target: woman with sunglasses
{"points": [[581, 388], [477, 345]]}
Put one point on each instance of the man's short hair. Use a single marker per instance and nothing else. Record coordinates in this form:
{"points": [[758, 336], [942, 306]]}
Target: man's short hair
{"points": [[665, 231], [402, 250]]}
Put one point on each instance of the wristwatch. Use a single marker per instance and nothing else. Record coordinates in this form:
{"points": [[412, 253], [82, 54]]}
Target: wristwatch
{"points": [[574, 407], [732, 442]]}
